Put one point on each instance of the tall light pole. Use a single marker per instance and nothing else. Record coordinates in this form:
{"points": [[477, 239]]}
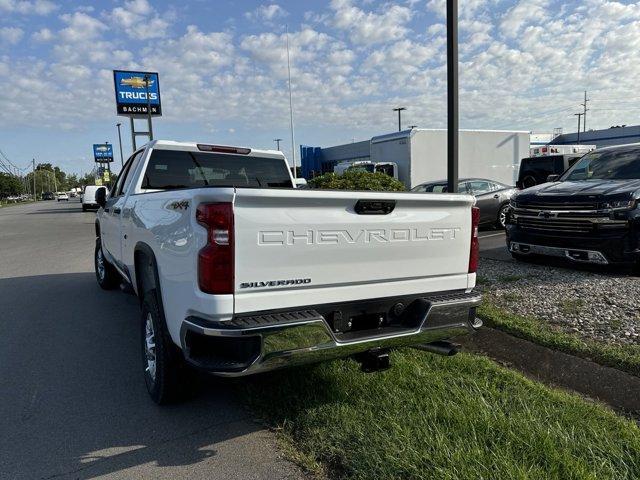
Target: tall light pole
{"points": [[399, 110], [120, 141], [277, 140], [293, 142], [452, 96]]}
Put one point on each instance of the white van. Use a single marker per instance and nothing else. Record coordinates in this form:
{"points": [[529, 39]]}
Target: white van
{"points": [[89, 197]]}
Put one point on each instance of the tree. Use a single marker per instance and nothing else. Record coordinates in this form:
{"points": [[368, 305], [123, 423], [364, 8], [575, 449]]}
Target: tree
{"points": [[10, 185], [357, 180]]}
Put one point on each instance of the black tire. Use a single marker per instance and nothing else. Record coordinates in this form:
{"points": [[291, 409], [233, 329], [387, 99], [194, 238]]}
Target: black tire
{"points": [[502, 216], [106, 275], [84, 209], [529, 180], [165, 378]]}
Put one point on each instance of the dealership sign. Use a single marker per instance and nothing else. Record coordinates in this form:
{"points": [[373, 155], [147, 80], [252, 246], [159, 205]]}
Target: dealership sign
{"points": [[103, 152], [131, 93]]}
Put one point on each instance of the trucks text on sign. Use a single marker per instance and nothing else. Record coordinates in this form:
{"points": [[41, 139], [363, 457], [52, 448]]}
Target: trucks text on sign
{"points": [[131, 93]]}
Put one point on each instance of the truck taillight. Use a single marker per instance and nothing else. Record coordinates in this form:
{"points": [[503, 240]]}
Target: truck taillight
{"points": [[474, 253], [216, 259]]}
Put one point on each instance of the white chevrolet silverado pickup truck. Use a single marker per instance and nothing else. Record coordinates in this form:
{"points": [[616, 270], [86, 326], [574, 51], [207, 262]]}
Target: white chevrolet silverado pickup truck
{"points": [[239, 272]]}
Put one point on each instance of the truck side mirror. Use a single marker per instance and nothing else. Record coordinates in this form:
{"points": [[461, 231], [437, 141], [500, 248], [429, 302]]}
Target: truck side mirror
{"points": [[553, 178], [101, 197]]}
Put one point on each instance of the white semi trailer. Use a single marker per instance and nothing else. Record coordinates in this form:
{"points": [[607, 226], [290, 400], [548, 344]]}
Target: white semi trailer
{"points": [[421, 154]]}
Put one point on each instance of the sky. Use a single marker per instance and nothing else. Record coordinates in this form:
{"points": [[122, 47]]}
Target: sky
{"points": [[524, 65]]}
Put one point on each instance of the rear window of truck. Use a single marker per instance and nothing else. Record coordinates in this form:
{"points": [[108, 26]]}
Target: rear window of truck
{"points": [[173, 169]]}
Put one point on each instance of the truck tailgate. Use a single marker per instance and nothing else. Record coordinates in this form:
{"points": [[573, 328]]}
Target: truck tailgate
{"points": [[304, 247]]}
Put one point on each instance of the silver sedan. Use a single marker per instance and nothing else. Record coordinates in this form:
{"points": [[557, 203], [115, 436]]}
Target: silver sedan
{"points": [[492, 197]]}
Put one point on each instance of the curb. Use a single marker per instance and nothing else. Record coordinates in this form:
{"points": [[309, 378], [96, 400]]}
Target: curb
{"points": [[618, 389]]}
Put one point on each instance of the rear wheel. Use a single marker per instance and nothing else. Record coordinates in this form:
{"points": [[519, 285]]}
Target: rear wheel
{"points": [[165, 370], [107, 276]]}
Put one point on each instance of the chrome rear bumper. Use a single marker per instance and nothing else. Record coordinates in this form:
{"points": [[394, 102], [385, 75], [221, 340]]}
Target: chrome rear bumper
{"points": [[298, 337]]}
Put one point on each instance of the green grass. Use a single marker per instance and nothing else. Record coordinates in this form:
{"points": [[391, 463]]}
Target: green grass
{"points": [[622, 357], [431, 417], [6, 204]]}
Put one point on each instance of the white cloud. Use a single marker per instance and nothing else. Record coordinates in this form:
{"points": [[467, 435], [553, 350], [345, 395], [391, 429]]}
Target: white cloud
{"points": [[139, 20], [369, 28], [524, 12], [10, 35], [80, 27], [26, 7], [267, 13], [349, 69], [43, 35]]}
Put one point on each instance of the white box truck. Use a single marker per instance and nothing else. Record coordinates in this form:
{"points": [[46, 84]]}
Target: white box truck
{"points": [[421, 154]]}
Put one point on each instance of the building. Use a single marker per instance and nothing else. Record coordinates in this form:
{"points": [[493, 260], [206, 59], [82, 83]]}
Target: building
{"points": [[420, 154], [618, 135]]}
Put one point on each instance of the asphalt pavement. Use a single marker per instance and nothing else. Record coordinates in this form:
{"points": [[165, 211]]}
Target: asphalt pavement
{"points": [[492, 245], [72, 398]]}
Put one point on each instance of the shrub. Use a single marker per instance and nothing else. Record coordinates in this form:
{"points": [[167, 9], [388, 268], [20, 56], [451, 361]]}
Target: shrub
{"points": [[357, 180]]}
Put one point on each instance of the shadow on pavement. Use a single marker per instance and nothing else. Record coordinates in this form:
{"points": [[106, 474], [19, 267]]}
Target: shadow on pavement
{"points": [[72, 395], [76, 209]]}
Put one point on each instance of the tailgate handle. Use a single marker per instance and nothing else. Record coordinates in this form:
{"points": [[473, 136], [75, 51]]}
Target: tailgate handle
{"points": [[375, 207]]}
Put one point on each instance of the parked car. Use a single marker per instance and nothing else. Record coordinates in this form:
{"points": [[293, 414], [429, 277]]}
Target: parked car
{"points": [[72, 194], [589, 214], [63, 196], [48, 196], [491, 197], [239, 272], [89, 197]]}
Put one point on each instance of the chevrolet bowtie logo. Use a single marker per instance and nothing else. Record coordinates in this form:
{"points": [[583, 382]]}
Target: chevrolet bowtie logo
{"points": [[135, 82], [547, 214]]}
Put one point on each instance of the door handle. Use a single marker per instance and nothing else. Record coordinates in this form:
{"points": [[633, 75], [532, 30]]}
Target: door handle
{"points": [[117, 211], [496, 196]]}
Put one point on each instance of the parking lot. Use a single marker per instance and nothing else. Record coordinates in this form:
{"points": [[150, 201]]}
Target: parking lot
{"points": [[72, 399]]}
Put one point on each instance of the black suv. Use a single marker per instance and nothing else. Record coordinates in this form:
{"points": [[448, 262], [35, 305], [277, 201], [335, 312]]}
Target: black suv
{"points": [[589, 214], [535, 170]]}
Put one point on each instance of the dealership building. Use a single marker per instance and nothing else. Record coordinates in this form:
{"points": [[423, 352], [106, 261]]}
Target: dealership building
{"points": [[618, 135]]}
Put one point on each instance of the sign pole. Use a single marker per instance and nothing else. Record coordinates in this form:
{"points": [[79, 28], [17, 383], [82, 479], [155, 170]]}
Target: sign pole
{"points": [[146, 86], [133, 134]]}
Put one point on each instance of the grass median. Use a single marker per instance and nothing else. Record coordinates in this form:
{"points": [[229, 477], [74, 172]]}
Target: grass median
{"points": [[461, 417], [622, 357]]}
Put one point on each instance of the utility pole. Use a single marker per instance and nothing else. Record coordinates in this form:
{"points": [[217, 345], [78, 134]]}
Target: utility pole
{"points": [[293, 142], [584, 113], [120, 142], [399, 110], [452, 96], [277, 140], [55, 183], [108, 168], [579, 115], [34, 180]]}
